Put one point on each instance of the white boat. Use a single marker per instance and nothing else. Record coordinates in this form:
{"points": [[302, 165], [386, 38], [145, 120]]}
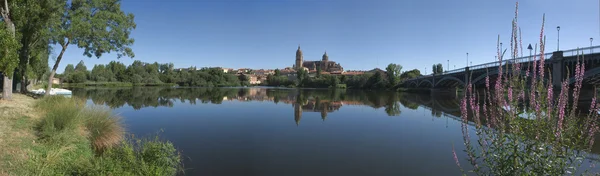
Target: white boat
{"points": [[53, 91]]}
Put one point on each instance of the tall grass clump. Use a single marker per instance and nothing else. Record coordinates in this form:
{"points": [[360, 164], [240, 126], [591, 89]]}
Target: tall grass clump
{"points": [[147, 156], [61, 117], [104, 128], [553, 139], [80, 140]]}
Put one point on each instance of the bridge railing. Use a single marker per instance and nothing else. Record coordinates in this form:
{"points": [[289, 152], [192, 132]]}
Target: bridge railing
{"points": [[566, 53]]}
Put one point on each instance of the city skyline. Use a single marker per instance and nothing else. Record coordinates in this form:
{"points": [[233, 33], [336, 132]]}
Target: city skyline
{"points": [[359, 35]]}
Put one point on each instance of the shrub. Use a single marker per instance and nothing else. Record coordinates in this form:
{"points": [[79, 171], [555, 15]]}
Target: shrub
{"points": [[148, 156], [104, 129], [61, 115]]}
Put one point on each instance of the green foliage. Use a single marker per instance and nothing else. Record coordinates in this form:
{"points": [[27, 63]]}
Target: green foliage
{"points": [[440, 68], [393, 73], [97, 26], [277, 72], [148, 156], [9, 59], [410, 74], [273, 80]]}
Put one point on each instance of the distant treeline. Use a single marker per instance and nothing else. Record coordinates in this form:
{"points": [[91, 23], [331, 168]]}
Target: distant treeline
{"points": [[118, 74], [140, 73]]}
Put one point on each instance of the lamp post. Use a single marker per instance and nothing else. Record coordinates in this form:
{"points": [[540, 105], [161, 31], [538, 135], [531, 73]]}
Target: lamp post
{"points": [[558, 39], [530, 48], [425, 70], [448, 68], [467, 59], [591, 40], [501, 49]]}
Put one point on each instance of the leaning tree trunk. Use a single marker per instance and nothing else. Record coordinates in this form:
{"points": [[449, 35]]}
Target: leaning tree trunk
{"points": [[53, 71]]}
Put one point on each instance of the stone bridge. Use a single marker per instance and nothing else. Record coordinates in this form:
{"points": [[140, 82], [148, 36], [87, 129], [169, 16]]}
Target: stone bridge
{"points": [[558, 66]]}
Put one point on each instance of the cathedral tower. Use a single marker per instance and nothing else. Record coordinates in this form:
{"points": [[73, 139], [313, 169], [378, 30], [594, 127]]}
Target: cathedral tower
{"points": [[299, 59]]}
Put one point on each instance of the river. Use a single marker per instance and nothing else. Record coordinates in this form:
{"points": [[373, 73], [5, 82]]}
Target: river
{"points": [[267, 131]]}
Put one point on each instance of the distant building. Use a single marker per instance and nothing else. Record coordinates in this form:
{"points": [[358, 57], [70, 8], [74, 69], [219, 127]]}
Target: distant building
{"points": [[263, 72], [55, 80], [253, 79], [324, 64], [226, 70]]}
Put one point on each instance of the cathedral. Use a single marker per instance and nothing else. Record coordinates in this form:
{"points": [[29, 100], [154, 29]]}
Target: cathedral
{"points": [[324, 64]]}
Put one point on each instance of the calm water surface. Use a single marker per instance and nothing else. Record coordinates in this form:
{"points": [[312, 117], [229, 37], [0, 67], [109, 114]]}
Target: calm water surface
{"points": [[262, 131]]}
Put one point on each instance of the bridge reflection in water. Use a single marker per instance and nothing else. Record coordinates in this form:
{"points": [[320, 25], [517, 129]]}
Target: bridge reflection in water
{"points": [[323, 101]]}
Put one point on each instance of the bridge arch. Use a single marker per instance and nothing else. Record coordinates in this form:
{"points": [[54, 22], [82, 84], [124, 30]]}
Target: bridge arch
{"points": [[449, 78], [587, 74], [495, 72], [412, 84], [425, 81]]}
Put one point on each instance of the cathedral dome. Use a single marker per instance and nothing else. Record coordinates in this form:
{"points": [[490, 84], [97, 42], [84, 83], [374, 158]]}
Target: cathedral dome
{"points": [[325, 56]]}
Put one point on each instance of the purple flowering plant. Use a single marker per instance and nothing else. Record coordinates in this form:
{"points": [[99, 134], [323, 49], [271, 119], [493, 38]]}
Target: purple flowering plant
{"points": [[521, 127]]}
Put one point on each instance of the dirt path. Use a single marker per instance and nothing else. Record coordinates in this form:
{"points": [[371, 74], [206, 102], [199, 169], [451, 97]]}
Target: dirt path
{"points": [[16, 117]]}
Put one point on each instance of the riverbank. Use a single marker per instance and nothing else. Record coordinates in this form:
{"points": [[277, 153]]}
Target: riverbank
{"points": [[62, 136], [113, 84]]}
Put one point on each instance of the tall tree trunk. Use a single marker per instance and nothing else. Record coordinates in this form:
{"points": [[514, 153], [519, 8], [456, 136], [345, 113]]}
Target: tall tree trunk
{"points": [[7, 87], [23, 63], [53, 71]]}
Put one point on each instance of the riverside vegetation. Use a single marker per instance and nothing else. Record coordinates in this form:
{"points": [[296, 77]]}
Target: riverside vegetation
{"points": [[530, 132], [61, 136]]}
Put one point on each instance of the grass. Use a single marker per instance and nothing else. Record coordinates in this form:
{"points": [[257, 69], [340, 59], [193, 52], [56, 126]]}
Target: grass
{"points": [[105, 130], [61, 136]]}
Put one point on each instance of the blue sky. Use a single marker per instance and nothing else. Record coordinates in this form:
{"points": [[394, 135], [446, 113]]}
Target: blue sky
{"points": [[359, 34]]}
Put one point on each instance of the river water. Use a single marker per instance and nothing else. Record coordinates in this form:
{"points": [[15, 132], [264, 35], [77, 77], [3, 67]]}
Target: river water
{"points": [[267, 131]]}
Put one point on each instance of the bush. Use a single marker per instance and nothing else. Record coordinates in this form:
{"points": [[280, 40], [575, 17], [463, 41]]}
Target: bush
{"points": [[104, 129], [149, 156]]}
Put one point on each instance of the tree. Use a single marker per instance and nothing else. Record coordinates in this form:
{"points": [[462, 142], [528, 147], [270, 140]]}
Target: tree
{"points": [[410, 74], [393, 73], [8, 57], [80, 67], [318, 72], [33, 21], [302, 75], [277, 72], [97, 26], [118, 70], [440, 69], [434, 69]]}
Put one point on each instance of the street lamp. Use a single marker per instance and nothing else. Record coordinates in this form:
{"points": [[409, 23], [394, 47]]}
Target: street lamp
{"points": [[530, 48], [558, 39], [591, 39], [500, 48], [467, 59], [448, 68]]}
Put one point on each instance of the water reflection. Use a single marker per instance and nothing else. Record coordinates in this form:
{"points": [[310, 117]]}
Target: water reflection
{"points": [[219, 137], [323, 101]]}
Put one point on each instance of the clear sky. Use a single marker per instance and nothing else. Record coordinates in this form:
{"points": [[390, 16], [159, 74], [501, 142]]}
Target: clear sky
{"points": [[359, 34]]}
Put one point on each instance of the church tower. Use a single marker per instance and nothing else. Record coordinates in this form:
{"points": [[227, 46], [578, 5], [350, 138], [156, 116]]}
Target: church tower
{"points": [[324, 61], [299, 59]]}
